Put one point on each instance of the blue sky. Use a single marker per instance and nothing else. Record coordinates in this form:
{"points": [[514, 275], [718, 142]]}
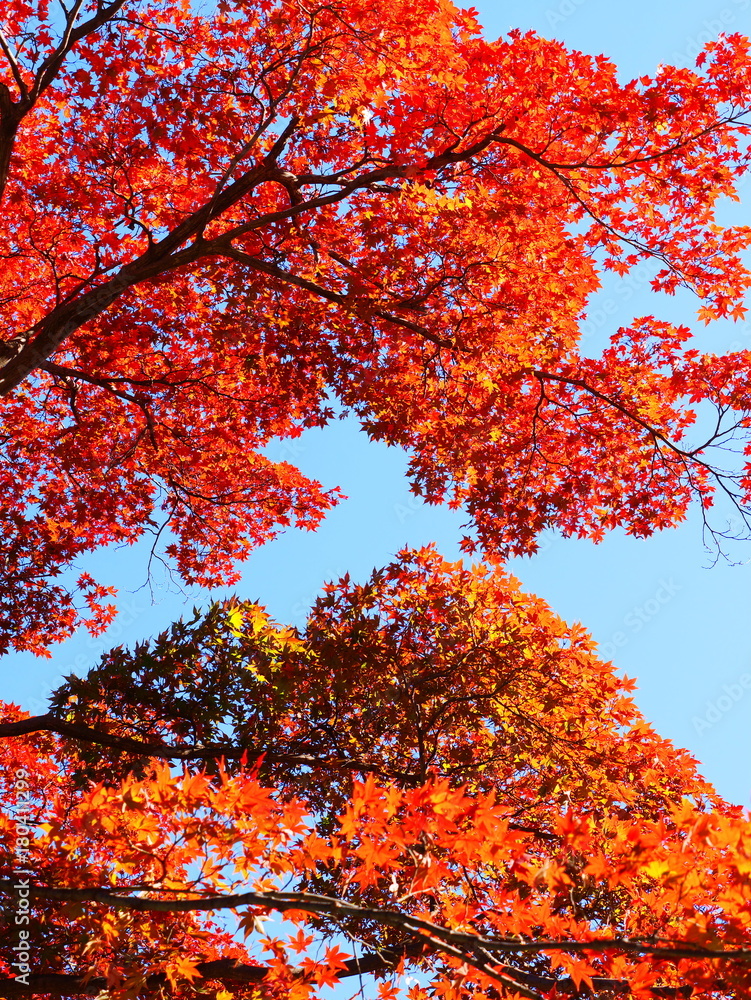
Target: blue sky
{"points": [[678, 627]]}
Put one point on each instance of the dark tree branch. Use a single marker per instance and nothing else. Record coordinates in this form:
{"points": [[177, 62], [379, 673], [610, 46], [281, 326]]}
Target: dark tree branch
{"points": [[288, 277], [166, 255], [226, 970], [444, 938], [481, 953], [230, 973], [51, 723]]}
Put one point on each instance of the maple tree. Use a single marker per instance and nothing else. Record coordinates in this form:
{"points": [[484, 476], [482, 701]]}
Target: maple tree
{"points": [[221, 226], [219, 221], [437, 777]]}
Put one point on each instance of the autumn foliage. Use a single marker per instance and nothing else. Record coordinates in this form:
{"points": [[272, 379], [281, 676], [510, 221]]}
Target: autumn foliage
{"points": [[223, 224], [218, 222], [437, 778]]}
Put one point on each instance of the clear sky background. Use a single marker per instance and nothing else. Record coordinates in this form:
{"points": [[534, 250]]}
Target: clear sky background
{"points": [[682, 629]]}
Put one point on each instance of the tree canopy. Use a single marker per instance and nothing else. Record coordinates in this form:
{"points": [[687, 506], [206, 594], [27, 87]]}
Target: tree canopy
{"points": [[221, 224], [436, 778], [226, 223]]}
